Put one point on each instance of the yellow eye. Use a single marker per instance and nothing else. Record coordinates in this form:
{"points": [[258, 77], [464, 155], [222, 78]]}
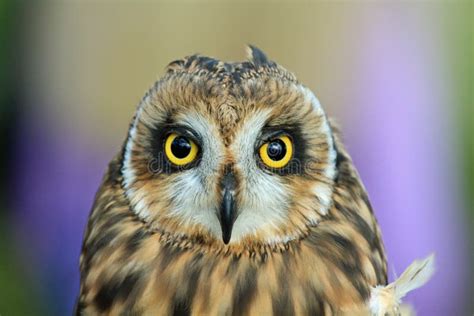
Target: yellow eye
{"points": [[180, 150], [277, 152]]}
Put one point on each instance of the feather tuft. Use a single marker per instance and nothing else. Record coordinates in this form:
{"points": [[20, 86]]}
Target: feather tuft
{"points": [[386, 300]]}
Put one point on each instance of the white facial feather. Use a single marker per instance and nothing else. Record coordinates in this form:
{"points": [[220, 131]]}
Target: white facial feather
{"points": [[193, 203], [127, 168], [323, 191], [264, 200]]}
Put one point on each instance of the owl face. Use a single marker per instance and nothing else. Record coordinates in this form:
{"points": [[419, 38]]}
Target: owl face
{"points": [[230, 152]]}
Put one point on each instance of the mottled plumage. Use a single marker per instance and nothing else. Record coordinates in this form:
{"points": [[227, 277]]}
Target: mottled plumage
{"points": [[302, 239]]}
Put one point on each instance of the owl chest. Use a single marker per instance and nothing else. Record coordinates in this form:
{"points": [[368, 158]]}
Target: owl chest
{"points": [[199, 283]]}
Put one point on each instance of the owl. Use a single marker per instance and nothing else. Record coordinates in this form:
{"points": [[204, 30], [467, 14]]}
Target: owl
{"points": [[232, 195]]}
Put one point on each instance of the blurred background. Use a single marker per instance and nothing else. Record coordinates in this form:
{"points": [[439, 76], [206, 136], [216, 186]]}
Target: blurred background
{"points": [[398, 76]]}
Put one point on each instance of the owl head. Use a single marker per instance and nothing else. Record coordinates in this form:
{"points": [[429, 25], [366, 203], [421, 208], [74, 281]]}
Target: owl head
{"points": [[230, 152]]}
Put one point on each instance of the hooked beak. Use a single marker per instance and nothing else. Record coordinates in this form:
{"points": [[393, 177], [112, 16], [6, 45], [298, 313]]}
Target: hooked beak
{"points": [[227, 215], [227, 208]]}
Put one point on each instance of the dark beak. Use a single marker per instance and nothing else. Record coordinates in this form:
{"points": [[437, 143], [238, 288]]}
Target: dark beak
{"points": [[227, 209], [227, 215]]}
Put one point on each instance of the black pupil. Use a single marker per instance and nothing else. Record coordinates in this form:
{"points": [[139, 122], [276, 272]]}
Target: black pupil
{"points": [[180, 147], [276, 150]]}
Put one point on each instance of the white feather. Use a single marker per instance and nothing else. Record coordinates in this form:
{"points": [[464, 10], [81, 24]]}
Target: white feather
{"points": [[323, 191], [127, 168], [386, 300]]}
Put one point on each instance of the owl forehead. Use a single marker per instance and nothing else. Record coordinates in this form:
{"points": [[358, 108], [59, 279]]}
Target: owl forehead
{"points": [[227, 105], [230, 90]]}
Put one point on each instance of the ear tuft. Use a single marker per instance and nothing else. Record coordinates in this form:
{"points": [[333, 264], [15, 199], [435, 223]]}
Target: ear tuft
{"points": [[256, 56]]}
